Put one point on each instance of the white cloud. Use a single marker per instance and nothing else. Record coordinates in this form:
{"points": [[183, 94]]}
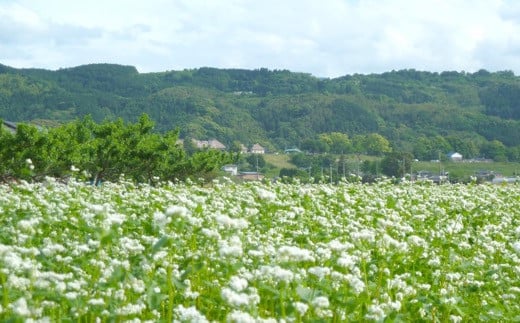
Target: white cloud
{"points": [[325, 38]]}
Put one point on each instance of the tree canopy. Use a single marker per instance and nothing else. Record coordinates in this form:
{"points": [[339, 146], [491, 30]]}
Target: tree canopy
{"points": [[103, 152], [408, 108]]}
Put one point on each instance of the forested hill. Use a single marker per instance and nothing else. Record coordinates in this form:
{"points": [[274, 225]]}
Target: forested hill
{"points": [[477, 114]]}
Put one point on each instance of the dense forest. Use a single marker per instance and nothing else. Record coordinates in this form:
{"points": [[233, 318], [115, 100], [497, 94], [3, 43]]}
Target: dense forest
{"points": [[424, 113]]}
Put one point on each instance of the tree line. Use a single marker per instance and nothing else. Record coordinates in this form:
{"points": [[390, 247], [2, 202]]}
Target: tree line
{"points": [[103, 151], [334, 168]]}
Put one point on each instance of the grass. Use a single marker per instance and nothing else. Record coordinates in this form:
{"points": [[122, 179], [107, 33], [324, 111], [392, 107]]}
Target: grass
{"points": [[279, 161], [275, 162], [468, 169]]}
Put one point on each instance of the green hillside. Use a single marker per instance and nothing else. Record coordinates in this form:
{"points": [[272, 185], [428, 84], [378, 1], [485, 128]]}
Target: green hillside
{"points": [[477, 114]]}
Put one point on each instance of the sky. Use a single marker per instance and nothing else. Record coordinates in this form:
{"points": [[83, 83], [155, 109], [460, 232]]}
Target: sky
{"points": [[326, 38]]}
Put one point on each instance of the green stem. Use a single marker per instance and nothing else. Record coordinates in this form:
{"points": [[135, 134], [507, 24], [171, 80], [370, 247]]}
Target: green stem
{"points": [[5, 292], [282, 305], [169, 314]]}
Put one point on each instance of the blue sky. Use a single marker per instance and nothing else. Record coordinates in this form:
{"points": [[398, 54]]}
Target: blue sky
{"points": [[327, 38]]}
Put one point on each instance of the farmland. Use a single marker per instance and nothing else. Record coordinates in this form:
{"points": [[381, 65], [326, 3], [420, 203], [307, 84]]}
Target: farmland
{"points": [[458, 171], [259, 252]]}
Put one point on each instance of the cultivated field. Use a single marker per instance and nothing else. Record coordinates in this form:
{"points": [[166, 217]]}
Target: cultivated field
{"points": [[259, 252]]}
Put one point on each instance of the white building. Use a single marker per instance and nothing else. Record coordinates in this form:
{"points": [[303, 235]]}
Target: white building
{"points": [[257, 149], [455, 156], [231, 169]]}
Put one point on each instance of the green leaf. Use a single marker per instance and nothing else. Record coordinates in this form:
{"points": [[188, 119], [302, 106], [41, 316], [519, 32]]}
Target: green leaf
{"points": [[107, 237], [305, 293], [162, 242], [179, 284], [118, 276]]}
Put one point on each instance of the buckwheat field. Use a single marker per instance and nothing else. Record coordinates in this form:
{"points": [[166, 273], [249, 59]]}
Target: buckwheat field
{"points": [[259, 252]]}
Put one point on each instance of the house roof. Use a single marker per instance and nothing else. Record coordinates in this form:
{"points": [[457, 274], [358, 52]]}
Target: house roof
{"points": [[212, 143], [11, 126], [257, 147], [215, 144], [251, 175], [230, 166], [455, 154]]}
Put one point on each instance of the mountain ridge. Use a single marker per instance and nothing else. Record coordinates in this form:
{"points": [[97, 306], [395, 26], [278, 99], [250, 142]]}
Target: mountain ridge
{"points": [[279, 108]]}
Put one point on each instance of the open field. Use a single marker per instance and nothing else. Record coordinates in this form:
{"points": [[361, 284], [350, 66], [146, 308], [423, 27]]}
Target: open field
{"points": [[258, 252], [459, 170], [279, 160], [469, 169]]}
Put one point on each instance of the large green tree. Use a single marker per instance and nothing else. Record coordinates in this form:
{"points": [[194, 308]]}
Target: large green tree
{"points": [[338, 142], [396, 164], [428, 148], [495, 150], [376, 144]]}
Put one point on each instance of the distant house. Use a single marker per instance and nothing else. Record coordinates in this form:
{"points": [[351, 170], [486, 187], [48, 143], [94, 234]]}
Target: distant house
{"points": [[10, 126], [211, 144], [487, 175], [215, 144], [292, 151], [231, 169], [505, 180], [455, 156], [251, 176], [424, 175], [257, 149], [243, 149]]}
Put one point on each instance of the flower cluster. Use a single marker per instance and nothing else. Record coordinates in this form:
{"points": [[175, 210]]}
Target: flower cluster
{"points": [[259, 252]]}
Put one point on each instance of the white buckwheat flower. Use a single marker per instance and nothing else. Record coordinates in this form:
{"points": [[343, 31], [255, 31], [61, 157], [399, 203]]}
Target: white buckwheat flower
{"points": [[190, 314], [291, 253], [178, 210], [301, 308], [320, 301], [20, 307], [231, 248], [319, 272], [238, 283], [516, 247]]}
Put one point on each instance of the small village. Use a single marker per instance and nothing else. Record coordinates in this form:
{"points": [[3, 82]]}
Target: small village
{"points": [[486, 174], [232, 169]]}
